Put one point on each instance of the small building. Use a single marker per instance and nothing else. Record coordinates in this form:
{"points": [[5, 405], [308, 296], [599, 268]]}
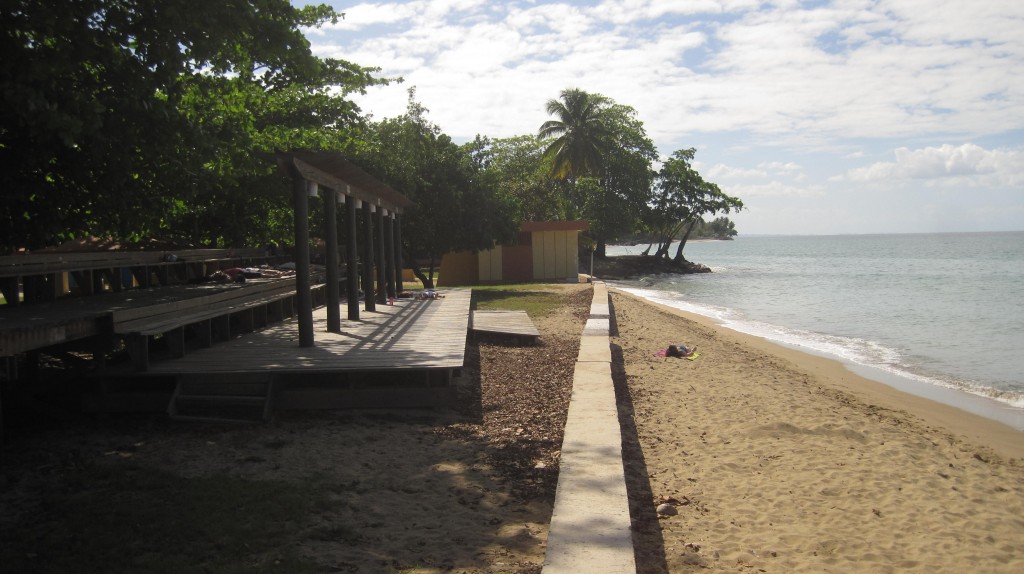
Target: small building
{"points": [[543, 251]]}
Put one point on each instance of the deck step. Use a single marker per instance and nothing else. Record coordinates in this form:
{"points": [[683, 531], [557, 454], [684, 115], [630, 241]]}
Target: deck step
{"points": [[227, 399], [203, 419], [222, 401]]}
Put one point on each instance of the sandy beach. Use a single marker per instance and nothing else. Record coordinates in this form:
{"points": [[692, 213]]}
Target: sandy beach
{"points": [[780, 461]]}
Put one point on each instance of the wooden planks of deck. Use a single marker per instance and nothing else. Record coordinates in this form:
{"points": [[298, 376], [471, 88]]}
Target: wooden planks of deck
{"points": [[28, 327], [409, 335]]}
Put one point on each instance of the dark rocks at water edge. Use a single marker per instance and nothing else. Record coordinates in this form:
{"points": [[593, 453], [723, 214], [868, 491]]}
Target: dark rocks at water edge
{"points": [[635, 266]]}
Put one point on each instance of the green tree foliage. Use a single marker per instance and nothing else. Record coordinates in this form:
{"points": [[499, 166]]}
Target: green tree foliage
{"points": [[720, 228], [138, 117], [682, 199], [601, 152], [617, 205], [457, 208], [579, 136], [518, 171]]}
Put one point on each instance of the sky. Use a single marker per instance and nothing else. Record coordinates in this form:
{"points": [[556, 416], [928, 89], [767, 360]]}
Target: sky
{"points": [[849, 116]]}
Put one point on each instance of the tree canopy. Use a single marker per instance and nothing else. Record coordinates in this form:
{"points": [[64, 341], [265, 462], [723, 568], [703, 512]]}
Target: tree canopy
{"points": [[600, 152], [457, 207], [579, 136], [683, 198], [140, 117]]}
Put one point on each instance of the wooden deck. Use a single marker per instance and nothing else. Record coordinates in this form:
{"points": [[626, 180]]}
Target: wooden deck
{"points": [[28, 327], [409, 335], [514, 323]]}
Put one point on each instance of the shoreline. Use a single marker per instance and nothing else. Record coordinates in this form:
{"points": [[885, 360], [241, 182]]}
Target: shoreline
{"points": [[976, 428]]}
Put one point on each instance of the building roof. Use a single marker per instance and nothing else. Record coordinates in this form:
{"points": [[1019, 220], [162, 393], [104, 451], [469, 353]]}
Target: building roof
{"points": [[331, 170], [576, 225]]}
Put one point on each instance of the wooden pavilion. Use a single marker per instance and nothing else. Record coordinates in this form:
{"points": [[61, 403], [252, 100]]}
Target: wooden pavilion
{"points": [[342, 181], [415, 340]]}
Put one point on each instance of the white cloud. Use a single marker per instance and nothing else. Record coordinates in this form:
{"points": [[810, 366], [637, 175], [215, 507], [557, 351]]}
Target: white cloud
{"points": [[958, 165], [369, 14], [722, 171], [772, 189]]}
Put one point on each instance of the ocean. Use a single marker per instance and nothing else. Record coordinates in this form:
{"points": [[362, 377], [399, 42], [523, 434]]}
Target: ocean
{"points": [[937, 315]]}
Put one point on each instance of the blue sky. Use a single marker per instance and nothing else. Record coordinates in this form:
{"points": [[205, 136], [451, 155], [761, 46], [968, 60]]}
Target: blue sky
{"points": [[850, 116]]}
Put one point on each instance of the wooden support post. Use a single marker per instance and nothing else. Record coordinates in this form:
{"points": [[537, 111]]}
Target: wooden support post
{"points": [[83, 281], [368, 258], [175, 339], [274, 313], [100, 344], [246, 321], [305, 304], [204, 333], [33, 288], [351, 260], [382, 295], [97, 280], [138, 350], [333, 275], [32, 366], [398, 253], [259, 314], [9, 289], [221, 327], [389, 256]]}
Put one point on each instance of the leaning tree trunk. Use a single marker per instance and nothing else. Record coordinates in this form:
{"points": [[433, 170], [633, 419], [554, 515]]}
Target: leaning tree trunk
{"points": [[678, 259], [666, 242], [426, 280]]}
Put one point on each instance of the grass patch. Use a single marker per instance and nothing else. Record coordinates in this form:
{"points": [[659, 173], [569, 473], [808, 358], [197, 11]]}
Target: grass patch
{"points": [[128, 518], [526, 297]]}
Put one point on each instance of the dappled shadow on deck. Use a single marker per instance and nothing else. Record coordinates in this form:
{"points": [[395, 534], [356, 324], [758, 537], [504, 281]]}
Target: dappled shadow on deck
{"points": [[412, 334]]}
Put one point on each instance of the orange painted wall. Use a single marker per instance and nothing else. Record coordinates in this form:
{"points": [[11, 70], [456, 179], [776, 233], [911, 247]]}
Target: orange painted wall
{"points": [[517, 263], [459, 269]]}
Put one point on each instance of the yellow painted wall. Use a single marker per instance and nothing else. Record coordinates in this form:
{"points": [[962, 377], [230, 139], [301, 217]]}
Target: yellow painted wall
{"points": [[489, 263], [572, 255], [555, 254]]}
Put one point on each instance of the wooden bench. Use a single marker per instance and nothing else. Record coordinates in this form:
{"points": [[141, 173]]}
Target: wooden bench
{"points": [[38, 275], [239, 307]]}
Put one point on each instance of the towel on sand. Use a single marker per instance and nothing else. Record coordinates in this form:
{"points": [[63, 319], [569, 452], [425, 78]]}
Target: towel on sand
{"points": [[663, 352]]}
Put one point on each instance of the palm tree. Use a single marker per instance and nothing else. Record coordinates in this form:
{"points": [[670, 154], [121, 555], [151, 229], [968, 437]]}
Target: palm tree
{"points": [[579, 137]]}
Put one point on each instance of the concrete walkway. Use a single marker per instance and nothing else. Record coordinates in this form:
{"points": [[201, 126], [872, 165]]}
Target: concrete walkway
{"points": [[590, 526]]}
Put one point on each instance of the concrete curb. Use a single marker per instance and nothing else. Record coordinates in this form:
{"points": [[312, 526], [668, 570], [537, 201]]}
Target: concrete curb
{"points": [[590, 525]]}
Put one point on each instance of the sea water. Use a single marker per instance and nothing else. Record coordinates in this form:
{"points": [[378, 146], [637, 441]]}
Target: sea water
{"points": [[939, 315]]}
